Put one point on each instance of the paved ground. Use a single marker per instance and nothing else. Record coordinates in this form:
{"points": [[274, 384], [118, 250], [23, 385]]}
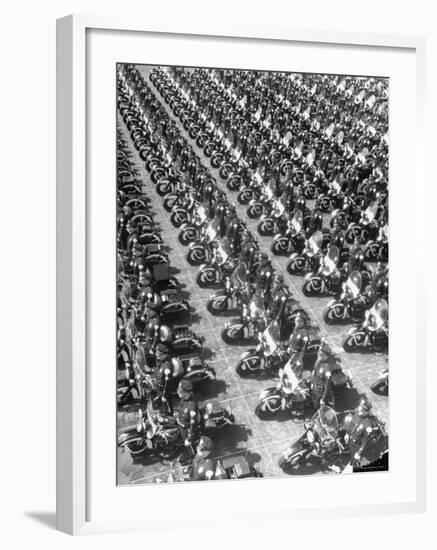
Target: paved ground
{"points": [[261, 441]]}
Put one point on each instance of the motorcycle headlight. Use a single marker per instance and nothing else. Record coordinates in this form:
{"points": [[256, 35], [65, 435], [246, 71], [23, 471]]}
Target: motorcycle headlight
{"points": [[310, 436], [149, 433], [139, 426]]}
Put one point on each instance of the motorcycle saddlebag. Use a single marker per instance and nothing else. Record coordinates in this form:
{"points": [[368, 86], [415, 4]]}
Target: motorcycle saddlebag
{"points": [[161, 272], [237, 467]]}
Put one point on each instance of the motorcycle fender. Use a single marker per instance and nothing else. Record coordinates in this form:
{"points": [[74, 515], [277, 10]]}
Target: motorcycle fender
{"points": [[219, 294], [331, 303], [309, 276], [248, 353], [295, 448], [268, 393], [352, 330], [294, 256]]}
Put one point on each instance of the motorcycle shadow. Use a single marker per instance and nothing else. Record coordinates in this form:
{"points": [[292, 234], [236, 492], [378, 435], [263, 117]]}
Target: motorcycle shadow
{"points": [[213, 388], [348, 400], [315, 467], [230, 439]]}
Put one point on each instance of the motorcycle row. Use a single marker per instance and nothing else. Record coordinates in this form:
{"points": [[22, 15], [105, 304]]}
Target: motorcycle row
{"points": [[314, 195]]}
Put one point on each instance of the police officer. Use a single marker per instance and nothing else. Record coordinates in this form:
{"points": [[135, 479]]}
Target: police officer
{"points": [[297, 343], [321, 387], [277, 297], [187, 414], [204, 467], [359, 427]]}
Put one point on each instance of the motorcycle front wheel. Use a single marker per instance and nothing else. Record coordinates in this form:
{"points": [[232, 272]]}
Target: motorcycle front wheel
{"points": [[355, 341], [334, 313], [312, 287], [207, 278], [248, 365], [217, 305], [268, 407], [196, 255]]}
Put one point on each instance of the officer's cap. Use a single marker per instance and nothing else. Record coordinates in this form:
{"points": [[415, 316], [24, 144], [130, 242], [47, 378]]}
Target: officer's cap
{"points": [[186, 385], [205, 443]]}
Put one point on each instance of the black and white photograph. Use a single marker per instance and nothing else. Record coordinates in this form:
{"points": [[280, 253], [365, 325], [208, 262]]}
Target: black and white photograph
{"points": [[252, 219]]}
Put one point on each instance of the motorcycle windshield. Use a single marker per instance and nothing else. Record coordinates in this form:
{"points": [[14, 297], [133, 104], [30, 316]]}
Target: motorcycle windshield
{"points": [[330, 260], [297, 221], [315, 242], [353, 283], [377, 315], [240, 273], [211, 231], [201, 213], [325, 424], [152, 426], [370, 211]]}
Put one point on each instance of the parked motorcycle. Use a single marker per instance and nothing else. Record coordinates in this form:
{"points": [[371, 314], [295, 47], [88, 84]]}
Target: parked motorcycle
{"points": [[268, 355], [155, 434], [372, 335], [327, 280], [349, 305]]}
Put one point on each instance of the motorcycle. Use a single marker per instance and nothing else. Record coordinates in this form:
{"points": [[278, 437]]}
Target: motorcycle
{"points": [[191, 231], [200, 251], [290, 394], [155, 434], [323, 441], [327, 279], [306, 261], [244, 331], [350, 305], [268, 355], [221, 266], [293, 239], [372, 335], [270, 223], [380, 385], [377, 249]]}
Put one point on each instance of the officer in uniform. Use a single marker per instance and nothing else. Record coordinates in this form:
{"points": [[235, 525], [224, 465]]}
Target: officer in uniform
{"points": [[276, 298], [359, 427], [297, 343], [204, 467], [321, 387], [187, 415]]}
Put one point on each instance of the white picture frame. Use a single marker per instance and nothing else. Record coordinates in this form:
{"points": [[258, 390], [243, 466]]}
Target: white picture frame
{"points": [[73, 398]]}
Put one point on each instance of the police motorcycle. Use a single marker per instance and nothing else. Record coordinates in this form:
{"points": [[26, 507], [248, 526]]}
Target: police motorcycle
{"points": [[268, 356], [230, 467], [209, 243], [221, 266], [179, 338], [272, 223], [347, 214], [155, 434], [244, 331], [328, 279], [172, 302], [377, 249], [308, 258], [380, 385], [192, 230], [350, 305], [329, 198], [290, 394], [261, 204], [292, 239], [372, 334], [178, 198], [366, 227], [183, 210], [324, 440], [252, 190]]}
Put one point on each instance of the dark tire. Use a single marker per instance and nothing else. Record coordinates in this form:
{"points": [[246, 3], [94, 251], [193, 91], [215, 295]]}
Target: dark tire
{"points": [[354, 342]]}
